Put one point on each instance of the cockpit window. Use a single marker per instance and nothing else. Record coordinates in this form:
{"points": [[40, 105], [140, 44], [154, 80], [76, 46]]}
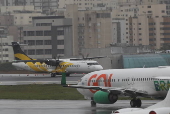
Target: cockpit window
{"points": [[92, 63]]}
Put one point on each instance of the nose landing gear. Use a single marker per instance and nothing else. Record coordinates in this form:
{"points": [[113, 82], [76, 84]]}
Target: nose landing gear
{"points": [[53, 74]]}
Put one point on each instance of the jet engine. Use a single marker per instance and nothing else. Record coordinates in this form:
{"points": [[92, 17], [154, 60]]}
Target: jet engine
{"points": [[104, 97]]}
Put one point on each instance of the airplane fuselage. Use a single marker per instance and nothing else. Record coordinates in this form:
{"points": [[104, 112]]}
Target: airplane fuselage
{"points": [[81, 66], [137, 78]]}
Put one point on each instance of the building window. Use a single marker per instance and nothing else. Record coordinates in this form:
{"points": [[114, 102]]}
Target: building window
{"points": [[39, 52], [149, 11], [47, 42], [45, 24], [38, 24], [30, 33], [39, 42], [47, 51], [31, 52], [60, 32], [39, 33], [47, 33], [60, 42], [31, 42]]}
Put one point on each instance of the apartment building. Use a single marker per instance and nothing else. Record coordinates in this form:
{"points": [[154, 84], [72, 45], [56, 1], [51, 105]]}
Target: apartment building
{"points": [[91, 28], [144, 24], [45, 5], [49, 37], [84, 4], [167, 2], [6, 52]]}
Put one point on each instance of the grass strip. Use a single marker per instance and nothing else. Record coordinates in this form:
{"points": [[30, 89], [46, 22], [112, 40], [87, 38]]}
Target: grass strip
{"points": [[39, 92], [43, 92]]}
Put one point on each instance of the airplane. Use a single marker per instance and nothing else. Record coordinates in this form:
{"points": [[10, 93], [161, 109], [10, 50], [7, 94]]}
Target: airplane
{"points": [[105, 86], [54, 66], [162, 107]]}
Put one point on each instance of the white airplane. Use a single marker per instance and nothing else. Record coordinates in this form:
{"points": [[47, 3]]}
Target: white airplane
{"points": [[54, 66], [162, 107], [105, 86]]}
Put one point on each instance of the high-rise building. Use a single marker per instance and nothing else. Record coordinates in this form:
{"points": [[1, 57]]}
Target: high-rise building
{"points": [[49, 37], [45, 5]]}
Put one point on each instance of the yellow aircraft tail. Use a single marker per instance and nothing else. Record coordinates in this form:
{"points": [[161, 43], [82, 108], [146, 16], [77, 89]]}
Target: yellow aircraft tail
{"points": [[18, 53]]}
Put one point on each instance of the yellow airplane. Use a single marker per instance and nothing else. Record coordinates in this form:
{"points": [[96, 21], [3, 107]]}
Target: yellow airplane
{"points": [[54, 66]]}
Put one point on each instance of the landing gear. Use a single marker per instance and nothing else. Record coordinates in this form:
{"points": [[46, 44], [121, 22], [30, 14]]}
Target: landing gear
{"points": [[135, 102], [53, 74], [93, 103]]}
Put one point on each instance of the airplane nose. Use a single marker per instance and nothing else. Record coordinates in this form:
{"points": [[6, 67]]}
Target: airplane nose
{"points": [[100, 68]]}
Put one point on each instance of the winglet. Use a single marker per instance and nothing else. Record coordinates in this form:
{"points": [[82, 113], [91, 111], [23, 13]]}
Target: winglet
{"points": [[63, 79]]}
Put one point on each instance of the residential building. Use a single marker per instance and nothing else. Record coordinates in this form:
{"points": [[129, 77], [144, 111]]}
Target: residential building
{"points": [[49, 37], [6, 52], [142, 23], [45, 5], [91, 28]]}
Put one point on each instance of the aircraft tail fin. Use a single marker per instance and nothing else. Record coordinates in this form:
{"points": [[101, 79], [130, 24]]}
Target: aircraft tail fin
{"points": [[18, 53], [164, 103]]}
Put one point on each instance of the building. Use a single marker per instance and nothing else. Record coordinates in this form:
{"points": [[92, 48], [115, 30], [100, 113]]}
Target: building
{"points": [[45, 5], [49, 37], [84, 4], [91, 28], [143, 24], [6, 52]]}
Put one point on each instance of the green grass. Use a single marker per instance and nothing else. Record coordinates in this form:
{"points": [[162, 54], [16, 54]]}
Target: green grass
{"points": [[43, 92], [39, 92]]}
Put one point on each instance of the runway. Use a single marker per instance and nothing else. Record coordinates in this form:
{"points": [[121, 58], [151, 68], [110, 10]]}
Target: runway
{"points": [[54, 106], [20, 79], [62, 106]]}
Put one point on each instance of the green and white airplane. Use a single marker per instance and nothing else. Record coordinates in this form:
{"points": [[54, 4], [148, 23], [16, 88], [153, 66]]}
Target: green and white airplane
{"points": [[105, 86]]}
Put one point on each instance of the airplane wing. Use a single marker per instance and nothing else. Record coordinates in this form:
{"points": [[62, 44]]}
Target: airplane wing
{"points": [[123, 91], [88, 58], [97, 57]]}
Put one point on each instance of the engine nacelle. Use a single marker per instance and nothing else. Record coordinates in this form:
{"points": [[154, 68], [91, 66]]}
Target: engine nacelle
{"points": [[52, 62], [104, 97]]}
